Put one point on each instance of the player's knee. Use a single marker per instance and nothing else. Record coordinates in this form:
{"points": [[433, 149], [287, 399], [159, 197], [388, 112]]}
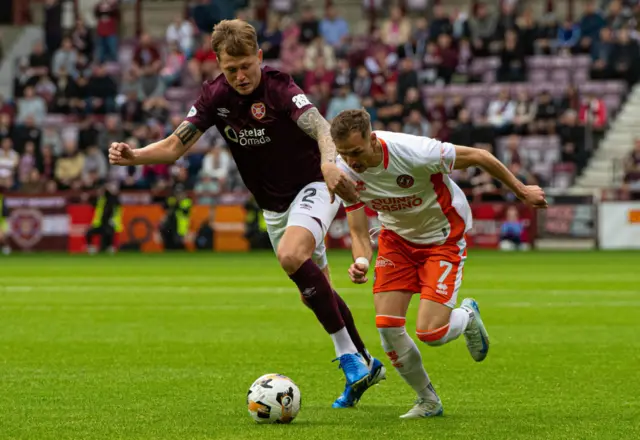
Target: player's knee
{"points": [[434, 336], [290, 259]]}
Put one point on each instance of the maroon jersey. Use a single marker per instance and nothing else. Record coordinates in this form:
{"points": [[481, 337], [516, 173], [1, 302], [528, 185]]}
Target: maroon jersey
{"points": [[276, 159]]}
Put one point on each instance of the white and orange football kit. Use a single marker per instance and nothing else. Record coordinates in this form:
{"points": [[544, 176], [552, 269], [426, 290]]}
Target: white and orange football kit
{"points": [[424, 216]]}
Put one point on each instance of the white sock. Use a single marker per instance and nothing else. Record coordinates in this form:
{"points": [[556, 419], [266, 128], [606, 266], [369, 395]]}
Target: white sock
{"points": [[343, 343], [407, 361], [458, 322]]}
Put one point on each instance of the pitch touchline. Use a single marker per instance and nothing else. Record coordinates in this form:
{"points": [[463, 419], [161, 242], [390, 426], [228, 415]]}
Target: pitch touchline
{"points": [[235, 289]]}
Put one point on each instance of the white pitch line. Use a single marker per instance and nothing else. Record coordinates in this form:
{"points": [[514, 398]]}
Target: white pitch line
{"points": [[271, 306], [217, 288]]}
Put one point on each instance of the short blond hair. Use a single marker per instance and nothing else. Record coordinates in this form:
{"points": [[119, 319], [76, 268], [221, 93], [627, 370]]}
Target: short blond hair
{"points": [[348, 121], [236, 38]]}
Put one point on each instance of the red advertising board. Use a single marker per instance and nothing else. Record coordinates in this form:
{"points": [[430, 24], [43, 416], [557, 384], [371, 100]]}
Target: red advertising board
{"points": [[37, 223], [487, 221]]}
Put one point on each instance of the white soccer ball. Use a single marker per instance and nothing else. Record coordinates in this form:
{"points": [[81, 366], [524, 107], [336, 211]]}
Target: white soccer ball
{"points": [[273, 398]]}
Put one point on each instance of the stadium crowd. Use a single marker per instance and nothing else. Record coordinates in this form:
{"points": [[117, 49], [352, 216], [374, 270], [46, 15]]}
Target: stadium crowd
{"points": [[78, 78]]}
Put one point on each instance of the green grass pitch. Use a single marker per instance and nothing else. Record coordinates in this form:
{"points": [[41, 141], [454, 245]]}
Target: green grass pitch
{"points": [[166, 346]]}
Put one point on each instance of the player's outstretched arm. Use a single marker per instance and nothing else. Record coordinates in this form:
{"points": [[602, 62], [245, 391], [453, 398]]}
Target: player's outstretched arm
{"points": [[317, 127], [360, 245], [530, 194], [167, 150]]}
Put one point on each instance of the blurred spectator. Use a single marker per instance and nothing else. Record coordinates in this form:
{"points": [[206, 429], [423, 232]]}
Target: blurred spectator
{"points": [[601, 54], [333, 29], [572, 139], [319, 80], [482, 28], [441, 23], [568, 37], [66, 90], [362, 82], [83, 39], [173, 66], [319, 50], [591, 23], [204, 64], [546, 113], [65, 58], [570, 100], [416, 46], [47, 163], [107, 13], [413, 101], [396, 30], [345, 99], [9, 160], [270, 38], [29, 131], [416, 124], [6, 128], [112, 132], [389, 109], [27, 160], [52, 24], [511, 231], [446, 58], [309, 25], [501, 112], [527, 31], [51, 137], [95, 167], [625, 63], [593, 112], [632, 169], [32, 183], [87, 133], [525, 114], [69, 166], [407, 78], [512, 60], [344, 75], [31, 106], [102, 90], [547, 34], [216, 166], [181, 33]]}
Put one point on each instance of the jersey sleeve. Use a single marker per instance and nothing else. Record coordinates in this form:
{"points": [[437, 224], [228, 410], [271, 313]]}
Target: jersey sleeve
{"points": [[294, 101], [436, 156], [202, 113]]}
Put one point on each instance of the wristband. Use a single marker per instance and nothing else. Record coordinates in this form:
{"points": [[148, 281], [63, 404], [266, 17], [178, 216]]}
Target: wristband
{"points": [[363, 261]]}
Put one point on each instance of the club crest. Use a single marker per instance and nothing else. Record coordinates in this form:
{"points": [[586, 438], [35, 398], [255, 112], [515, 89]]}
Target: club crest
{"points": [[258, 110]]}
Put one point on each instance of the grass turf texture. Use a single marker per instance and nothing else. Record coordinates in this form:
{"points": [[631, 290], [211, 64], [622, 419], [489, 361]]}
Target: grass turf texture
{"points": [[166, 346]]}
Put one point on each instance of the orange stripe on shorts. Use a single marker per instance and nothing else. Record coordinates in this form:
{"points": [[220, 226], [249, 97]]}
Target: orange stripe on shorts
{"points": [[385, 321], [432, 335]]}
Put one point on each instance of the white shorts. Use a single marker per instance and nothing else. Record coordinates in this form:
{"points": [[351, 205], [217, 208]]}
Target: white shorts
{"points": [[312, 204]]}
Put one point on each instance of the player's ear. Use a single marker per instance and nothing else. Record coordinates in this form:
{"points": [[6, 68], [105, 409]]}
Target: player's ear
{"points": [[260, 55], [373, 138]]}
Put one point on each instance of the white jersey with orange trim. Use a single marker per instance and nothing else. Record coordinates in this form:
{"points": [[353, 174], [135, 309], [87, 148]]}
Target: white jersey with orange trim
{"points": [[411, 189]]}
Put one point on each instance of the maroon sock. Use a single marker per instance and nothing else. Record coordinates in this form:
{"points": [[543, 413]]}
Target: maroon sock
{"points": [[318, 295], [347, 317]]}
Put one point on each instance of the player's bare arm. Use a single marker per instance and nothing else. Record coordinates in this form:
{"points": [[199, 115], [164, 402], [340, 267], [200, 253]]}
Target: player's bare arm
{"points": [[360, 245], [317, 127], [530, 194], [166, 151]]}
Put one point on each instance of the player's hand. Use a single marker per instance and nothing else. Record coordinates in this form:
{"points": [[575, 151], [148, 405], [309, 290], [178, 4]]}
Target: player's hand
{"points": [[358, 273], [339, 183], [121, 154], [534, 196]]}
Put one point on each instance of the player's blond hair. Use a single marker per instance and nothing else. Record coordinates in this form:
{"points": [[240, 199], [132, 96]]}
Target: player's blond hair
{"points": [[236, 38], [348, 121]]}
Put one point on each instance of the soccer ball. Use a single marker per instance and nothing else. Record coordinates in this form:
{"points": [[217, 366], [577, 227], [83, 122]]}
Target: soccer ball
{"points": [[273, 398]]}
